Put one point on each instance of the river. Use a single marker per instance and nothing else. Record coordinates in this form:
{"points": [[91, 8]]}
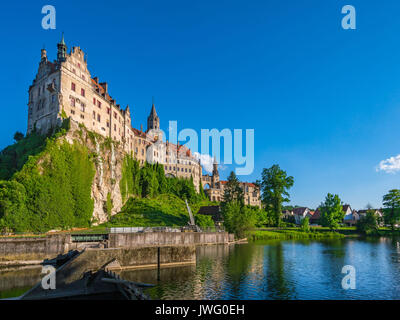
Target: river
{"points": [[266, 270]]}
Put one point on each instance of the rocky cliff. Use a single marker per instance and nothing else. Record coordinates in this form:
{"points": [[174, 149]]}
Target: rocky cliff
{"points": [[108, 158]]}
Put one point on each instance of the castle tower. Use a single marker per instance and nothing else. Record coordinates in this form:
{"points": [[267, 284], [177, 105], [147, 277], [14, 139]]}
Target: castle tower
{"points": [[61, 50], [153, 121], [215, 174]]}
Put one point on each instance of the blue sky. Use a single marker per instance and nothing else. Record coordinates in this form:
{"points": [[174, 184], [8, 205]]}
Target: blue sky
{"points": [[324, 102]]}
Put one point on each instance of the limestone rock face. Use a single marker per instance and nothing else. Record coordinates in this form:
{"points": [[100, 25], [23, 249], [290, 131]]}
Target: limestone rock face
{"points": [[108, 157]]}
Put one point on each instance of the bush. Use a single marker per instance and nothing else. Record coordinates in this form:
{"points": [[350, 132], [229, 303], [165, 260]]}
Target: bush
{"points": [[204, 221], [305, 224], [368, 225], [238, 219]]}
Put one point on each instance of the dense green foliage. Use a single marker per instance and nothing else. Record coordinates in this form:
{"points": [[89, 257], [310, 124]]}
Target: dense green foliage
{"points": [[203, 221], [391, 202], [238, 219], [13, 157], [332, 213], [275, 185], [232, 190], [51, 191], [305, 224], [150, 181], [368, 225]]}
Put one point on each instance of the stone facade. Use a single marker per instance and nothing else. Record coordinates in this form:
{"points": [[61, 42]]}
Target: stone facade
{"points": [[65, 88], [215, 189]]}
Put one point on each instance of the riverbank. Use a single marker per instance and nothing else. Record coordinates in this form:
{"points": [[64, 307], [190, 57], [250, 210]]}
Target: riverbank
{"points": [[291, 234], [315, 233]]}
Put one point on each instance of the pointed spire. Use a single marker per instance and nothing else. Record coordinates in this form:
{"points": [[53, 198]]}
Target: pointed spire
{"points": [[153, 111], [62, 38]]}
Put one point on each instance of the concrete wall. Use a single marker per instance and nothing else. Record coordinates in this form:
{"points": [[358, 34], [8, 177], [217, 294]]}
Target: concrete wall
{"points": [[36, 249], [121, 240], [33, 248], [134, 257]]}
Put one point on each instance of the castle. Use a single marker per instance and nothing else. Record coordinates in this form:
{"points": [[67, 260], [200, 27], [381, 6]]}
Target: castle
{"points": [[65, 88]]}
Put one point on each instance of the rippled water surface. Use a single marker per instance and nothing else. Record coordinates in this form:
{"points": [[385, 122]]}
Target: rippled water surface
{"points": [[265, 270], [282, 270]]}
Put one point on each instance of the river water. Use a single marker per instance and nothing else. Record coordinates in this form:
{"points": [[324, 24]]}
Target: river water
{"points": [[266, 270], [283, 270]]}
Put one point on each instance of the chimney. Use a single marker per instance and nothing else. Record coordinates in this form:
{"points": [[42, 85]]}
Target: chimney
{"points": [[141, 127], [105, 86]]}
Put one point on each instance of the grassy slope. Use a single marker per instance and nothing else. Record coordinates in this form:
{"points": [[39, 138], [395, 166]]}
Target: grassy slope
{"points": [[164, 210]]}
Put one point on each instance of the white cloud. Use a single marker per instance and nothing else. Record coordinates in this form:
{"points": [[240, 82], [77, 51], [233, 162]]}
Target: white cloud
{"points": [[205, 160], [390, 165]]}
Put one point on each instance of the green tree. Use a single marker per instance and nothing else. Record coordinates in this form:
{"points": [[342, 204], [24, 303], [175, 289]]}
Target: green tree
{"points": [[204, 221], [368, 224], [238, 219], [391, 203], [275, 185], [18, 136], [305, 224], [332, 213], [232, 190]]}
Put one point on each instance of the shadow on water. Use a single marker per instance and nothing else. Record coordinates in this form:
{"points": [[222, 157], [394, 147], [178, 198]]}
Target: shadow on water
{"points": [[16, 281]]}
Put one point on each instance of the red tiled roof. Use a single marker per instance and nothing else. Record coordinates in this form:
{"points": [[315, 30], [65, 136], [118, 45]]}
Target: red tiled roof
{"points": [[139, 133], [316, 215]]}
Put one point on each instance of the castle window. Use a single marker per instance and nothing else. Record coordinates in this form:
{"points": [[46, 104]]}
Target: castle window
{"points": [[72, 102], [115, 127], [98, 118], [82, 107], [73, 70], [99, 104], [72, 112], [82, 92], [108, 110], [115, 115], [108, 124], [82, 116], [83, 77], [72, 86], [79, 65], [94, 101], [94, 115], [142, 152]]}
